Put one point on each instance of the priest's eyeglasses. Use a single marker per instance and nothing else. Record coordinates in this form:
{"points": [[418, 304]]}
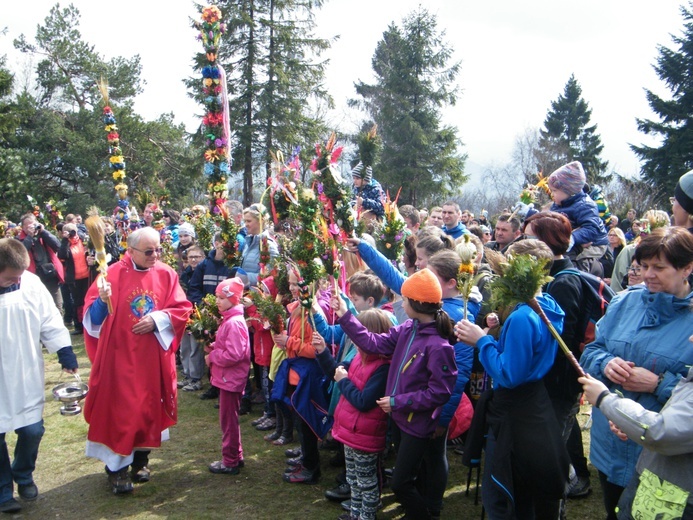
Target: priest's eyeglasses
{"points": [[150, 252]]}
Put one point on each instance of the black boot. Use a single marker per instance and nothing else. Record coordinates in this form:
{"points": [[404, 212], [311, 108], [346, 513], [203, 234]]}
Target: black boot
{"points": [[278, 428]]}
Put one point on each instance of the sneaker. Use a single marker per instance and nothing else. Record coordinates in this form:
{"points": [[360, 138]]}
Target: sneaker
{"points": [[218, 468], [296, 461], [283, 440], [339, 494], [259, 419], [182, 382], [579, 487], [193, 386], [10, 506], [140, 475], [268, 424], [28, 492], [346, 505], [120, 482], [293, 452], [304, 476], [211, 393], [271, 437]]}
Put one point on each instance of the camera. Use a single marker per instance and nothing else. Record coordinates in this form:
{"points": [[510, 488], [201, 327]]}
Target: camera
{"points": [[72, 233], [38, 228]]}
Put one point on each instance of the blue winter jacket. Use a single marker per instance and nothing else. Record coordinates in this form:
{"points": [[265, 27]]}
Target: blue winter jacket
{"points": [[456, 231], [464, 354], [422, 373], [525, 350], [250, 259], [584, 217], [651, 330], [206, 277]]}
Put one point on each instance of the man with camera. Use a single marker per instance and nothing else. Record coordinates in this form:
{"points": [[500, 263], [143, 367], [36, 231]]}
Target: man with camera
{"points": [[43, 248]]}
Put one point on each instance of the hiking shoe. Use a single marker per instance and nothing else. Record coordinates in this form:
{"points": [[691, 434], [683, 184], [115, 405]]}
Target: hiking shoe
{"points": [[27, 491], [339, 494], [259, 419], [211, 393], [140, 475], [182, 382], [10, 506], [120, 482], [193, 386], [303, 476], [218, 468], [579, 487], [268, 424]]}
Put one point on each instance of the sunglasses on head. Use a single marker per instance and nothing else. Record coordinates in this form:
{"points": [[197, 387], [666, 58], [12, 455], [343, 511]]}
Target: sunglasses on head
{"points": [[150, 252]]}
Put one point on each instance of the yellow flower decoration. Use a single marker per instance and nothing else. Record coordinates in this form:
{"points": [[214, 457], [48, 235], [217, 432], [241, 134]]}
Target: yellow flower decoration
{"points": [[118, 175], [116, 159]]}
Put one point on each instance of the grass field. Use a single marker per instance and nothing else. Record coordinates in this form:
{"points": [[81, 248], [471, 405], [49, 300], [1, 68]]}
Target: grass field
{"points": [[73, 486]]}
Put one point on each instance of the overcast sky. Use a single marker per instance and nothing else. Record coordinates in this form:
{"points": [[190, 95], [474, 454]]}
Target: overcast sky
{"points": [[516, 58]]}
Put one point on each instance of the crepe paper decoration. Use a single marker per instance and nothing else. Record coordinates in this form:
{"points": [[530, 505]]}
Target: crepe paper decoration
{"points": [[216, 126]]}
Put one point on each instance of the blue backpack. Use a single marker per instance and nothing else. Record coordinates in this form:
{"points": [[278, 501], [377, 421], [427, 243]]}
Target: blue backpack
{"points": [[596, 296]]}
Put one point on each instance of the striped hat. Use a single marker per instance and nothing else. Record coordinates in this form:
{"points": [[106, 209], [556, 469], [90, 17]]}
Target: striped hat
{"points": [[358, 171]]}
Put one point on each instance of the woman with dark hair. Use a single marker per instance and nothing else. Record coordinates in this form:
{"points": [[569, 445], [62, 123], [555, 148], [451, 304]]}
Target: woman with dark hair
{"points": [[172, 219], [637, 350]]}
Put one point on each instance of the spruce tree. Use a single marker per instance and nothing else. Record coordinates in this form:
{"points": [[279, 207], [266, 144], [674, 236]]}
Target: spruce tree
{"points": [[663, 165], [414, 82], [271, 56], [567, 136]]}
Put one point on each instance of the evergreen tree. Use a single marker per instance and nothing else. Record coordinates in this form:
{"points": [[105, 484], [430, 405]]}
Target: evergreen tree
{"points": [[60, 134], [567, 136], [269, 53], [413, 84], [663, 165]]}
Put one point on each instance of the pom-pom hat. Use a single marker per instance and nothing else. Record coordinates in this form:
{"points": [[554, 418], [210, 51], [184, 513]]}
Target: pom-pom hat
{"points": [[684, 192], [423, 286], [569, 178], [231, 288]]}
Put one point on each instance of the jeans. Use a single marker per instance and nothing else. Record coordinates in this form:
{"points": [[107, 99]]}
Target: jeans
{"points": [[25, 453]]}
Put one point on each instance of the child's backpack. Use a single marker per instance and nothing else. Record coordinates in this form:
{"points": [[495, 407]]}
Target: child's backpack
{"points": [[596, 295]]}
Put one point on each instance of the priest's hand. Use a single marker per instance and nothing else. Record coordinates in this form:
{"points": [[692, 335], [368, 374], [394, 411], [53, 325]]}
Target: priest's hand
{"points": [[144, 326]]}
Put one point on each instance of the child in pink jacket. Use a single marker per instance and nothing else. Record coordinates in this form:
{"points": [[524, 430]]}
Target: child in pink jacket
{"points": [[229, 363]]}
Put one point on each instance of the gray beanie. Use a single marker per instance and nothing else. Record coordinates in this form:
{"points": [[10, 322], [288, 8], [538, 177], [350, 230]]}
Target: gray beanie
{"points": [[684, 192]]}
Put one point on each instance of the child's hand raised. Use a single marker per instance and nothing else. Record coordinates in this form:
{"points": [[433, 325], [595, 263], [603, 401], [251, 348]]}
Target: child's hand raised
{"points": [[318, 343], [340, 373], [338, 304]]}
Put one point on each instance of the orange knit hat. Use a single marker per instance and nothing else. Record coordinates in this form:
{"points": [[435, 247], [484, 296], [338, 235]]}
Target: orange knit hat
{"points": [[423, 286]]}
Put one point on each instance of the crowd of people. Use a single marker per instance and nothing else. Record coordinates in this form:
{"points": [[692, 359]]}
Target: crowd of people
{"points": [[396, 356]]}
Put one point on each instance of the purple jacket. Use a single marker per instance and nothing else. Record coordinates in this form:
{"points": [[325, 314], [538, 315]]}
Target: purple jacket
{"points": [[229, 360], [422, 371]]}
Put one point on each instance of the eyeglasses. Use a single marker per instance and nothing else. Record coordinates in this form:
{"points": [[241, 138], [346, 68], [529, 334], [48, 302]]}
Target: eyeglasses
{"points": [[672, 200], [193, 257], [635, 270], [150, 252]]}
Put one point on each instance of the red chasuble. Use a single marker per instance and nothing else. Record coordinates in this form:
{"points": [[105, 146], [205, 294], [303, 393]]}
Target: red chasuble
{"points": [[132, 386]]}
